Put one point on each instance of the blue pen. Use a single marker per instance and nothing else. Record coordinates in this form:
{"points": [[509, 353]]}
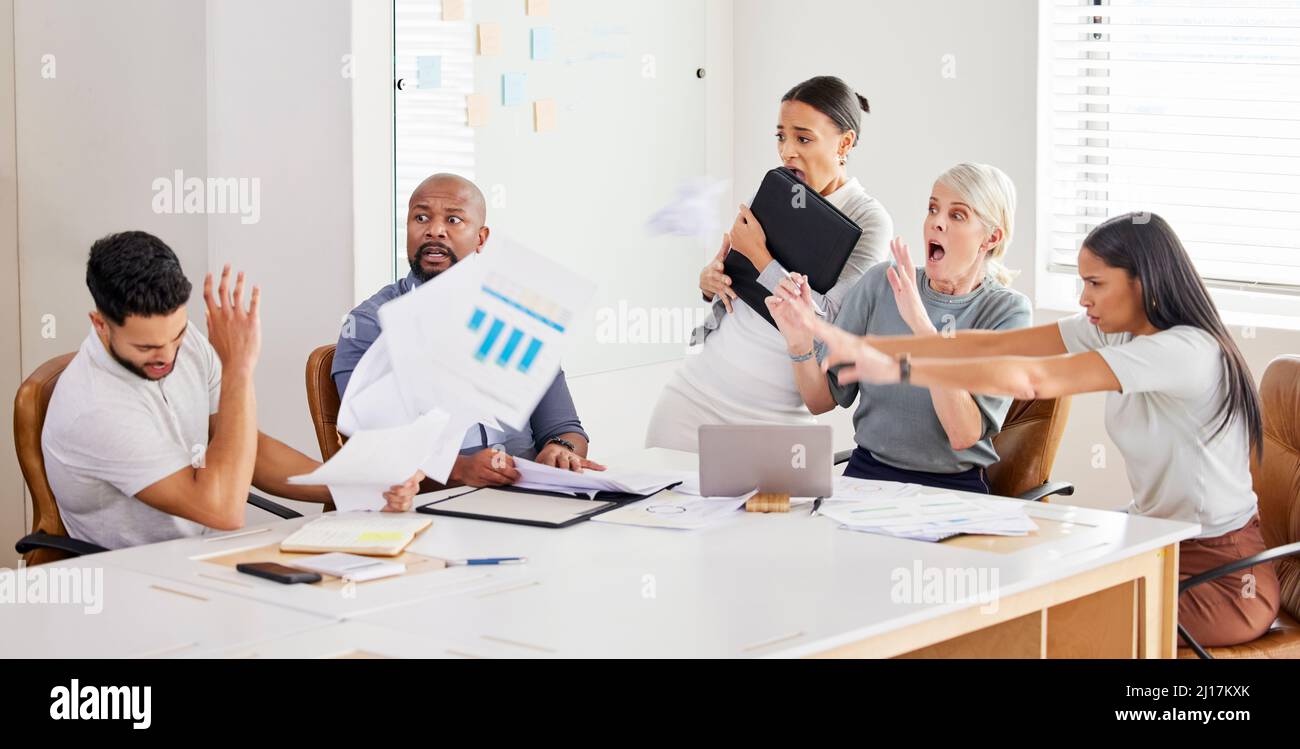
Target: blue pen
{"points": [[486, 560]]}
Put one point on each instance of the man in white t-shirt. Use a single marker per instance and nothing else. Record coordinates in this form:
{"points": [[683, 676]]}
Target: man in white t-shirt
{"points": [[151, 433]]}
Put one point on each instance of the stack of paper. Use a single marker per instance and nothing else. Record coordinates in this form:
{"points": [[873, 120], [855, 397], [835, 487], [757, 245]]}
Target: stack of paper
{"points": [[588, 483], [357, 533], [350, 566], [933, 517]]}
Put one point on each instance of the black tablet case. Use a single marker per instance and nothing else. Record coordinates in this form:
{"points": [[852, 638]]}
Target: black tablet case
{"points": [[805, 233]]}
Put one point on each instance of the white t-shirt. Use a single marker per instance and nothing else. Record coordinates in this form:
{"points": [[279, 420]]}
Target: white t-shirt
{"points": [[1172, 385], [110, 434], [745, 361]]}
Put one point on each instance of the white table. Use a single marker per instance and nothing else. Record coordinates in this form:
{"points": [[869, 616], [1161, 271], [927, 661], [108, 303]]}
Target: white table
{"points": [[1091, 583], [357, 640], [125, 614]]}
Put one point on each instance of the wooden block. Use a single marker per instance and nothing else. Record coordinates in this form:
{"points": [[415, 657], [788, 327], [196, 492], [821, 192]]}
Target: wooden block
{"points": [[544, 115], [537, 7], [453, 10], [476, 106], [489, 39], [763, 502]]}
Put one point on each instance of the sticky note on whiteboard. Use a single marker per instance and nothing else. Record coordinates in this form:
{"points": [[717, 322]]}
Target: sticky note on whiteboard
{"points": [[476, 107], [544, 115], [489, 39], [428, 71], [543, 42], [453, 10], [512, 89], [538, 7]]}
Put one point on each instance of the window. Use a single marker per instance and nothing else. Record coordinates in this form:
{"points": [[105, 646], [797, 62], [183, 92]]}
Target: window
{"points": [[1185, 108], [431, 132]]}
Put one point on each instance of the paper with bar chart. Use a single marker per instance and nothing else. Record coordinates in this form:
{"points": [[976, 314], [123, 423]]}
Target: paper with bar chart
{"points": [[486, 338]]}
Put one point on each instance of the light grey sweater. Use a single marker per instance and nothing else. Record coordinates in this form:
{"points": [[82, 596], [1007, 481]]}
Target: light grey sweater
{"points": [[897, 423]]}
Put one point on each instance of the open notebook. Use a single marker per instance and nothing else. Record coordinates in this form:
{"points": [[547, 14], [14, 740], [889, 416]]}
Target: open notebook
{"points": [[365, 533]]}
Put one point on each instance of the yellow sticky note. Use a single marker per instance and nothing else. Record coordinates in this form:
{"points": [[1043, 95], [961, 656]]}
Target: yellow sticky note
{"points": [[381, 536], [453, 10], [476, 106], [538, 7], [489, 38], [544, 115]]}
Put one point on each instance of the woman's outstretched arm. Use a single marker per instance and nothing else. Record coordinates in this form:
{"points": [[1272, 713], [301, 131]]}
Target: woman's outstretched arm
{"points": [[1023, 377], [1041, 340]]}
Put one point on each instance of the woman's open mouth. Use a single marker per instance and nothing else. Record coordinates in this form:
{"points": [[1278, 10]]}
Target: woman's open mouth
{"points": [[935, 252], [798, 173]]}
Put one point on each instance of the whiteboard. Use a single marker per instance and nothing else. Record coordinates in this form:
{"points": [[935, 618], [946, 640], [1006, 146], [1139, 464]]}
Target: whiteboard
{"points": [[630, 130]]}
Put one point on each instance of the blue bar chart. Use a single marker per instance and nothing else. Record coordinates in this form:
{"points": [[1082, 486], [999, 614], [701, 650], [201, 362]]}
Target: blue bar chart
{"points": [[507, 349]]}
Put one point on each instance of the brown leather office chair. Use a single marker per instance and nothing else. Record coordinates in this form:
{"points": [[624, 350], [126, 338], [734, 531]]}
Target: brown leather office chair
{"points": [[1027, 444], [323, 401], [1277, 484], [49, 540]]}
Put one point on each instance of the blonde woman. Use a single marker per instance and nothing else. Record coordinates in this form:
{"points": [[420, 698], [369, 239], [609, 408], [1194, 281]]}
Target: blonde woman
{"points": [[941, 437]]}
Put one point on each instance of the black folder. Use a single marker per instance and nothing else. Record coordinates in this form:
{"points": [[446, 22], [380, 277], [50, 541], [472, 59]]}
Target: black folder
{"points": [[805, 233], [538, 512]]}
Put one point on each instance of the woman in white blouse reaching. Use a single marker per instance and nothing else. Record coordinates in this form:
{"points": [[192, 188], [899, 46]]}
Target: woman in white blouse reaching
{"points": [[739, 371]]}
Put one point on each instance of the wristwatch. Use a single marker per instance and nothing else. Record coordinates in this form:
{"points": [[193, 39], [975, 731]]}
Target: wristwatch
{"points": [[904, 368], [567, 445]]}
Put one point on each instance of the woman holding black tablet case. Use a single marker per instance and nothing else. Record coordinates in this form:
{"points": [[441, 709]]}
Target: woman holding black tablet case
{"points": [[739, 371]]}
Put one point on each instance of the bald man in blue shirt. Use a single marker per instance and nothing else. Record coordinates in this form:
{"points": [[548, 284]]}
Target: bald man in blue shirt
{"points": [[446, 222]]}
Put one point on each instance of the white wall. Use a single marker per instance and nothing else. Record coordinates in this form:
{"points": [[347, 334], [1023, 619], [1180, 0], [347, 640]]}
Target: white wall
{"points": [[279, 110], [221, 88], [125, 104], [14, 513]]}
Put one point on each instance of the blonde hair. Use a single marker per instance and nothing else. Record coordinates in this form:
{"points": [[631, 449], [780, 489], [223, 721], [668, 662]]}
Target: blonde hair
{"points": [[991, 195]]}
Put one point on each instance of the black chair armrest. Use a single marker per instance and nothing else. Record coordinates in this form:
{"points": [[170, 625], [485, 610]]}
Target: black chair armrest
{"points": [[66, 544], [843, 456], [1039, 493], [1268, 555], [1277, 552], [280, 511]]}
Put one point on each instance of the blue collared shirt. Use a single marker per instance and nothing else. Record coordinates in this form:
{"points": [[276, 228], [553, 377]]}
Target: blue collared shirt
{"points": [[554, 415]]}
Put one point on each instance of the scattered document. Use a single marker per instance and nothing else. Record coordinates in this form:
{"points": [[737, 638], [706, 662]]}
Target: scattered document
{"points": [[692, 213], [486, 337], [848, 488], [677, 511], [357, 533], [350, 566], [373, 401], [933, 517], [374, 460], [623, 481]]}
